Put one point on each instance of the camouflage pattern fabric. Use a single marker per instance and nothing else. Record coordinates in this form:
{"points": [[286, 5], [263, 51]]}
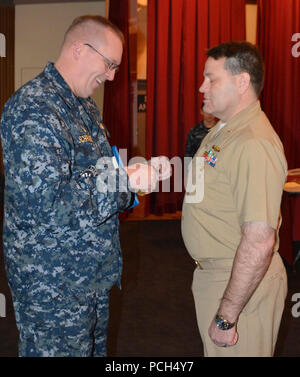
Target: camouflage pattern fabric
{"points": [[194, 139], [72, 326], [61, 222]]}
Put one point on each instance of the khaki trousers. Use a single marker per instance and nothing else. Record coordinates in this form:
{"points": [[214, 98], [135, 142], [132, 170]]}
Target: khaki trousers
{"points": [[258, 323]]}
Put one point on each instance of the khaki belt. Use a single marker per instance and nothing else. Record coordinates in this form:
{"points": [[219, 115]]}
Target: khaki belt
{"points": [[211, 264]]}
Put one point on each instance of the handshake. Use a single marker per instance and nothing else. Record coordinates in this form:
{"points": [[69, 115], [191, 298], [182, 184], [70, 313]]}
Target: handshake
{"points": [[143, 178]]}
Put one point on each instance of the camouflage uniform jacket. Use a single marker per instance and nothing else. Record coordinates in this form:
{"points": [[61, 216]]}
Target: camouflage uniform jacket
{"points": [[60, 232], [194, 139]]}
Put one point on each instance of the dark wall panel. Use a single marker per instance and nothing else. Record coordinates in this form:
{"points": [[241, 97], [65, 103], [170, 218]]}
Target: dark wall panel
{"points": [[7, 72]]}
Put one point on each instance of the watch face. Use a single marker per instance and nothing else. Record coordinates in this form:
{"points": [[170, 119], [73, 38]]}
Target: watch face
{"points": [[220, 323], [223, 324]]}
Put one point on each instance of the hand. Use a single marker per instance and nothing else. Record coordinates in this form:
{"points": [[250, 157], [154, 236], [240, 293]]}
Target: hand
{"points": [[223, 338], [163, 166], [142, 178]]}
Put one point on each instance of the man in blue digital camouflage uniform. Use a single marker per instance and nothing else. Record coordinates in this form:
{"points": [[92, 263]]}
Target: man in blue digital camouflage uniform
{"points": [[61, 239]]}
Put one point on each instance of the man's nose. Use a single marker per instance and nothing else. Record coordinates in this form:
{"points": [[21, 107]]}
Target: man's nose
{"points": [[203, 87], [110, 74]]}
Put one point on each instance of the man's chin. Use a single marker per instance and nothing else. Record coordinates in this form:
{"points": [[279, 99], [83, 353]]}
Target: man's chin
{"points": [[89, 93], [207, 108]]}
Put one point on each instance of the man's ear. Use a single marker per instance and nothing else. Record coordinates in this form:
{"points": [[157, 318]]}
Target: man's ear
{"points": [[76, 50], [244, 82]]}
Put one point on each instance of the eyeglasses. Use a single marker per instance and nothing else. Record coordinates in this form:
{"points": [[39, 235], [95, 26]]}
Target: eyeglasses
{"points": [[110, 66]]}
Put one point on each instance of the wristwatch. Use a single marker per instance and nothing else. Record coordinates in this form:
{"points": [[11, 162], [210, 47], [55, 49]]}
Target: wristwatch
{"points": [[223, 324]]}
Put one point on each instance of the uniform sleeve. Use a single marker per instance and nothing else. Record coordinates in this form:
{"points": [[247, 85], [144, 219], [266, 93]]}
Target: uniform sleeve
{"points": [[189, 145], [258, 174], [43, 178]]}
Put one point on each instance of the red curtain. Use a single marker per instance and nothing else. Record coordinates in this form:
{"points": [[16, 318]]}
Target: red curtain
{"points": [[117, 113], [179, 32], [278, 21]]}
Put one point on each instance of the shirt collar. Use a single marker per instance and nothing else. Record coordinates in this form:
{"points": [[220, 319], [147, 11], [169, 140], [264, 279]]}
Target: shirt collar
{"points": [[240, 120], [58, 81]]}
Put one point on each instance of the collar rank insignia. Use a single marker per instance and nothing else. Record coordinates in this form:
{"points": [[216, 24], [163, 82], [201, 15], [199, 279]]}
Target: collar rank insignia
{"points": [[103, 128], [216, 148]]}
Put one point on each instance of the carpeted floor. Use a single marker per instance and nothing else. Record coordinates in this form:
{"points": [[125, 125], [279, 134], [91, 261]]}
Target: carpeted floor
{"points": [[153, 315]]}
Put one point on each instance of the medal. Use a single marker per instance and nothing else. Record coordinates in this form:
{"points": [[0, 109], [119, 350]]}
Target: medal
{"points": [[210, 157]]}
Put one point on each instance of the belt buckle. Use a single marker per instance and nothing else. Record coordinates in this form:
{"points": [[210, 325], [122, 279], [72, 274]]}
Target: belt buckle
{"points": [[199, 265]]}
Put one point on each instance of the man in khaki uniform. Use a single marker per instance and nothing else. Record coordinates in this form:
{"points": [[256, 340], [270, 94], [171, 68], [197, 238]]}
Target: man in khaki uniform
{"points": [[240, 283]]}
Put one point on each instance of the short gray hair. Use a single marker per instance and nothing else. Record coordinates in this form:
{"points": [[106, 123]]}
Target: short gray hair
{"points": [[241, 57], [98, 20]]}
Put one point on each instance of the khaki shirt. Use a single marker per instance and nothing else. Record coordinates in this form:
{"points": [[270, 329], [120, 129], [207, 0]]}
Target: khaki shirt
{"points": [[244, 185]]}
